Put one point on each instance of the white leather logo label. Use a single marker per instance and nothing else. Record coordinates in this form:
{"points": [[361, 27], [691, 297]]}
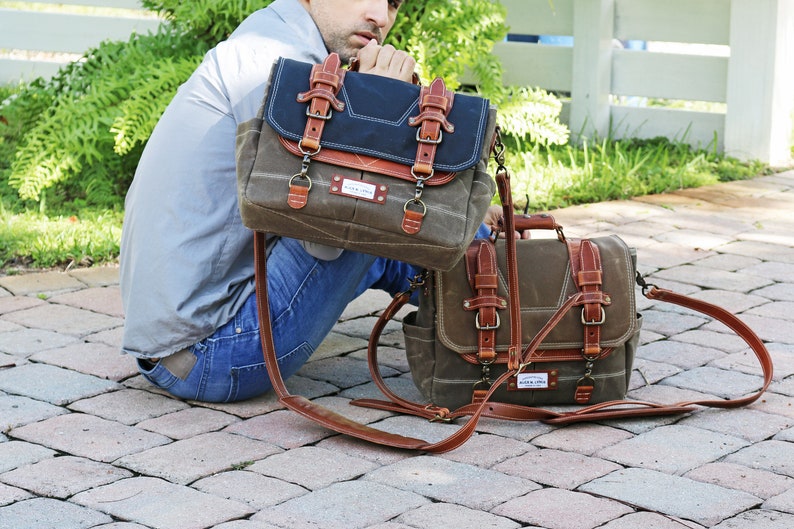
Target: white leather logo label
{"points": [[358, 189], [537, 380]]}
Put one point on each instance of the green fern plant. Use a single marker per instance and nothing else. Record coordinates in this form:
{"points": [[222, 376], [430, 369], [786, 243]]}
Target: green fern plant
{"points": [[152, 91], [70, 119], [76, 138], [208, 20]]}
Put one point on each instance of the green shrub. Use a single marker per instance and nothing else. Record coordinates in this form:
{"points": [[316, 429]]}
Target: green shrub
{"points": [[104, 107]]}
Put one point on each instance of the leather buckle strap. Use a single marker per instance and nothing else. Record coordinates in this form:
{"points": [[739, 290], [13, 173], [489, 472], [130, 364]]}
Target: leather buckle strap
{"points": [[587, 275], [435, 103], [483, 276], [325, 82]]}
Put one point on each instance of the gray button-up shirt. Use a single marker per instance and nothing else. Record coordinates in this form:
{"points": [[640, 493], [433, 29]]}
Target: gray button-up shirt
{"points": [[186, 259]]}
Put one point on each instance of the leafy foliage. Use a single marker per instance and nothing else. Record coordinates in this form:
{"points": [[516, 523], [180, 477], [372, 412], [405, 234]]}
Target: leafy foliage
{"points": [[147, 100], [104, 107], [210, 21], [80, 163], [447, 36], [453, 39]]}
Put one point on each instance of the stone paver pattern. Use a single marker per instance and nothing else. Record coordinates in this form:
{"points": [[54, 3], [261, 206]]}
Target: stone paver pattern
{"points": [[86, 442]]}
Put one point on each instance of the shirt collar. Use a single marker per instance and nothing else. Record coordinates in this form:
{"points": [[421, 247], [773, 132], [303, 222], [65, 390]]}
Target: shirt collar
{"points": [[301, 22]]}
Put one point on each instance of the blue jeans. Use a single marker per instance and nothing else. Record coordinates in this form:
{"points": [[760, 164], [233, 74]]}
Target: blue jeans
{"points": [[306, 295]]}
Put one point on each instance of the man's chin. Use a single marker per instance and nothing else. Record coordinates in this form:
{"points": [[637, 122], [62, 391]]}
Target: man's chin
{"points": [[347, 54]]}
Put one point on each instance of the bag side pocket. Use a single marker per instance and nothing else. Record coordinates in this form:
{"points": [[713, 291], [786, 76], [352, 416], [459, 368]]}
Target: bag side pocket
{"points": [[420, 351]]}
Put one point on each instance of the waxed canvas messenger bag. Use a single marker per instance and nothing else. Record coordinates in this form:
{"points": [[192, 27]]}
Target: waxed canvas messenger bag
{"points": [[457, 341], [514, 324], [367, 163]]}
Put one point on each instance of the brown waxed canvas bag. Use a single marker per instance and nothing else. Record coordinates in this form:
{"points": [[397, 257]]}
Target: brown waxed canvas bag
{"points": [[367, 163], [588, 358], [503, 325], [457, 341]]}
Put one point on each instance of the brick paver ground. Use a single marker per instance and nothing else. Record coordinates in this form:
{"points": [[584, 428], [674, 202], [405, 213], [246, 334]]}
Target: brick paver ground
{"points": [[85, 442]]}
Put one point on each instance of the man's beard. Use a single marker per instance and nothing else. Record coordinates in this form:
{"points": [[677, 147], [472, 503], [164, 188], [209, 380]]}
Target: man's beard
{"points": [[342, 45]]}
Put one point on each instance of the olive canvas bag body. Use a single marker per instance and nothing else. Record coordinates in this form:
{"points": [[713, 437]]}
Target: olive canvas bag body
{"points": [[457, 342], [367, 163]]}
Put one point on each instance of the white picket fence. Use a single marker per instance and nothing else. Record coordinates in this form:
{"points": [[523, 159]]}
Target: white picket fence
{"points": [[737, 54], [740, 54], [37, 41]]}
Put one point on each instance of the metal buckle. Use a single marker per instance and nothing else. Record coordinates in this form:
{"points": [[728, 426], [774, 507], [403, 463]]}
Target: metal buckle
{"points": [[317, 115], [427, 140], [442, 414], [415, 201], [487, 327], [589, 323], [304, 177], [422, 179]]}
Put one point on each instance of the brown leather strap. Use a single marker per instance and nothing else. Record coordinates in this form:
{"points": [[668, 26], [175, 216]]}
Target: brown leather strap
{"points": [[435, 103], [299, 404], [586, 270], [320, 414], [588, 279], [616, 409], [485, 408], [483, 275], [734, 324], [341, 424], [325, 81], [511, 259]]}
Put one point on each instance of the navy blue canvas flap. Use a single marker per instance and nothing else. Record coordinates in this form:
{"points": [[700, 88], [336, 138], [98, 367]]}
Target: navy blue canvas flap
{"points": [[375, 119]]}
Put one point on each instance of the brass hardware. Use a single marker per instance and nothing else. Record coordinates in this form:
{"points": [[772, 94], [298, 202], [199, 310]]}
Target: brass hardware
{"points": [[428, 140], [301, 175], [589, 323], [485, 379], [416, 201], [317, 114], [588, 371], [487, 327]]}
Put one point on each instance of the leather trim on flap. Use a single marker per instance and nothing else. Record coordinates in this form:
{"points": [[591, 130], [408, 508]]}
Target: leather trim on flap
{"points": [[545, 283], [367, 163], [543, 355]]}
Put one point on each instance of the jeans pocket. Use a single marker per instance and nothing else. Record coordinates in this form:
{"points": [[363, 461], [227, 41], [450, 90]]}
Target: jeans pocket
{"points": [[253, 380], [157, 375]]}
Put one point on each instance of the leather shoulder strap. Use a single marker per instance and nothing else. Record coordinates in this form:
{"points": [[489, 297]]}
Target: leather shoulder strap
{"points": [[299, 404], [606, 410], [342, 424]]}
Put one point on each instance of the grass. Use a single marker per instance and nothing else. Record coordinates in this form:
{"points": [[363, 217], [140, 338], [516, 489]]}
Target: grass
{"points": [[71, 234], [33, 240], [549, 178], [609, 169]]}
